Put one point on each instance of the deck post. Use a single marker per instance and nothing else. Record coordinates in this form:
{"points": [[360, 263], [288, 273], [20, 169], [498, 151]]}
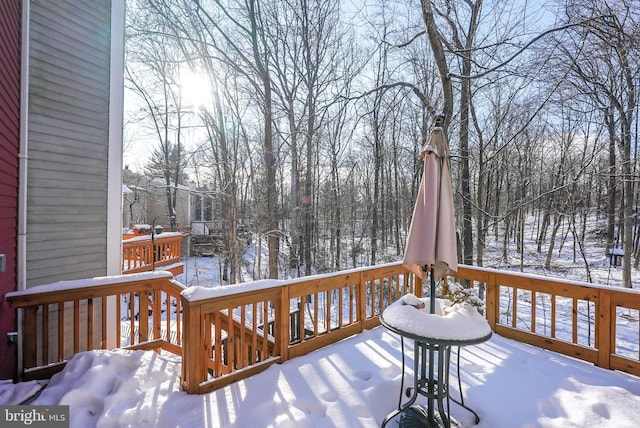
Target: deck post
{"points": [[193, 350], [605, 316], [493, 301], [283, 324]]}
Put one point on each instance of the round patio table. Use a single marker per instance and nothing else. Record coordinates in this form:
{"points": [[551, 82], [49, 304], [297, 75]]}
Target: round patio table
{"points": [[424, 381]]}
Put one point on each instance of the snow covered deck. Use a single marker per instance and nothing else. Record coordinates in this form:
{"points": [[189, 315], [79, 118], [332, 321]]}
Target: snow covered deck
{"points": [[353, 383]]}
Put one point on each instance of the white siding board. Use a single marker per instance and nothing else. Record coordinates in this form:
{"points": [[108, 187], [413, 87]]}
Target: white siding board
{"points": [[77, 128], [57, 71], [92, 183], [72, 145], [43, 254], [69, 191], [90, 163], [61, 273], [57, 12], [64, 227], [42, 247], [70, 101], [66, 54], [62, 266]]}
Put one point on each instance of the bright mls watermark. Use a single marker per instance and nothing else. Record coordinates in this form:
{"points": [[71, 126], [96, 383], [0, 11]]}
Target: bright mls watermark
{"points": [[34, 416]]}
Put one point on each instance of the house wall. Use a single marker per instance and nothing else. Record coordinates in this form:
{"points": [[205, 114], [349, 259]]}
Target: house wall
{"points": [[10, 20], [68, 134], [157, 204], [148, 202]]}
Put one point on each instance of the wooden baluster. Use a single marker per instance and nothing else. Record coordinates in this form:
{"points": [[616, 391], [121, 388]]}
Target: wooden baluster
{"points": [[574, 320], [61, 310], [178, 322], [553, 315], [533, 311], [514, 305], [167, 305], [132, 313], [254, 334], [605, 328], [103, 315], [242, 358], [30, 342], [279, 328], [45, 334], [231, 341], [143, 316], [353, 307], [90, 324], [76, 326], [214, 319]]}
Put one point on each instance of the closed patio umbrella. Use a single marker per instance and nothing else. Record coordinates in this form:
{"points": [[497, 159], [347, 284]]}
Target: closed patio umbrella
{"points": [[432, 236]]}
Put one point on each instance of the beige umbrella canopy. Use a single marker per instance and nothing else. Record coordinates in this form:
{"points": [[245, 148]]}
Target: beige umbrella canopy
{"points": [[432, 235]]}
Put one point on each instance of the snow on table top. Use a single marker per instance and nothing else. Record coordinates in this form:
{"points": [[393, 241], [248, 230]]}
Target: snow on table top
{"points": [[460, 322]]}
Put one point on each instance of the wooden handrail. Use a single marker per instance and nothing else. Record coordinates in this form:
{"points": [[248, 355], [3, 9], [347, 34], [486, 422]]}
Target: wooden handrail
{"points": [[129, 311], [146, 253], [229, 333]]}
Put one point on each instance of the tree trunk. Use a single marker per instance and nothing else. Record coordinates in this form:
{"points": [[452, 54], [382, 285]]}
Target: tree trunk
{"points": [[552, 240], [611, 183], [437, 49], [269, 154]]}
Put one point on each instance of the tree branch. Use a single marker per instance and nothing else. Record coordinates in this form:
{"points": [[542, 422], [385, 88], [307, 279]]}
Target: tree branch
{"points": [[525, 47]]}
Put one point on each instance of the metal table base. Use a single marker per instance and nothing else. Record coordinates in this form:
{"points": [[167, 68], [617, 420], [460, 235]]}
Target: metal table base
{"points": [[427, 383]]}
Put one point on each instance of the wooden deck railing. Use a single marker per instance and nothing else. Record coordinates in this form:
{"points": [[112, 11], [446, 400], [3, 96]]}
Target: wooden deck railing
{"points": [[578, 319], [144, 253], [274, 321], [140, 311], [229, 333]]}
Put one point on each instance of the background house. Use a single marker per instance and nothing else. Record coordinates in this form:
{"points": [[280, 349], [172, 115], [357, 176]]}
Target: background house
{"points": [[61, 68], [147, 201]]}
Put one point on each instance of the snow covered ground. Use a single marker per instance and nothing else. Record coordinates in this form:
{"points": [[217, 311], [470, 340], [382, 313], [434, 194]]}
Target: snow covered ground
{"points": [[353, 383]]}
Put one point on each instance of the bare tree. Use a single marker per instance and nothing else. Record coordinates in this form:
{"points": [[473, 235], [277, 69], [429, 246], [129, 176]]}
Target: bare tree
{"points": [[603, 59], [153, 74], [235, 33]]}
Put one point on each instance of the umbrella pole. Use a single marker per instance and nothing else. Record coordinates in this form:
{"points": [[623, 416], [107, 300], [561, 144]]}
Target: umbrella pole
{"points": [[432, 295], [431, 385]]}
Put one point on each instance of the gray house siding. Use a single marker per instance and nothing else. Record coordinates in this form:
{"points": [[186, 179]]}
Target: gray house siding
{"points": [[68, 133]]}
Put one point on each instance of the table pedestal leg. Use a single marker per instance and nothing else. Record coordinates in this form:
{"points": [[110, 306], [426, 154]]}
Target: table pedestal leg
{"points": [[433, 388]]}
